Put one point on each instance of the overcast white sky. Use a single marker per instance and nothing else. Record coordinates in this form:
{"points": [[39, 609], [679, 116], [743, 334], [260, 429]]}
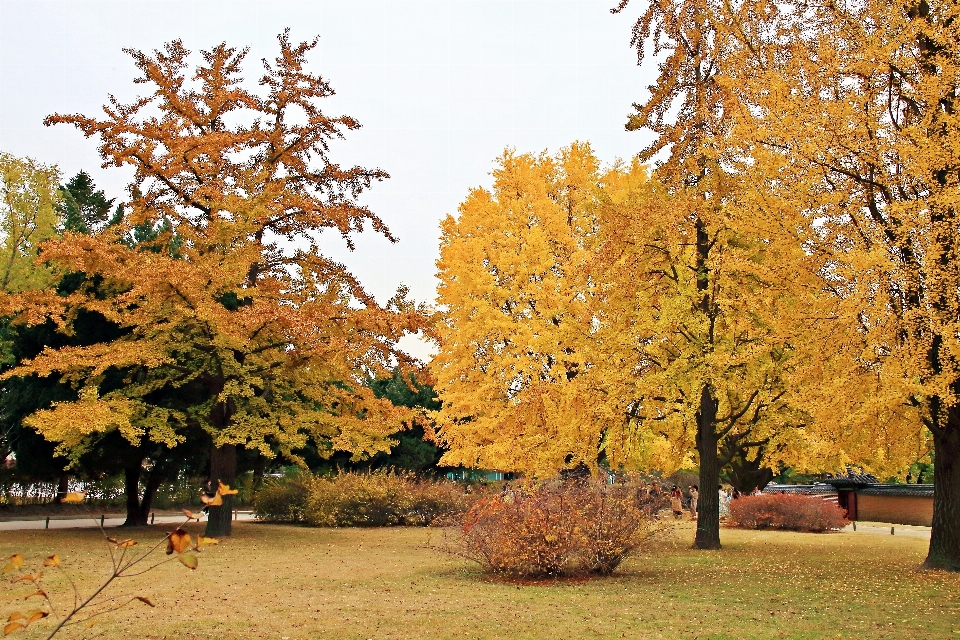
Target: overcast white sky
{"points": [[441, 88]]}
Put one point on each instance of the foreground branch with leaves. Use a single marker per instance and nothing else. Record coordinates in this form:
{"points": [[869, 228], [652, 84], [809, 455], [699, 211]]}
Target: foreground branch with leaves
{"points": [[124, 563]]}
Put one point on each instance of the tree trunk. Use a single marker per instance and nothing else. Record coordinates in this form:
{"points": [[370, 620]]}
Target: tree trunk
{"points": [[149, 492], [259, 466], [131, 477], [708, 507], [63, 486], [944, 552], [223, 468]]}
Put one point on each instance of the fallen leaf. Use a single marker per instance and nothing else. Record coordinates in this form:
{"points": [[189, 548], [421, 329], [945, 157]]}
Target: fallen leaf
{"points": [[126, 543], [203, 541], [16, 615], [38, 592], [52, 561], [11, 627], [189, 560], [145, 600]]}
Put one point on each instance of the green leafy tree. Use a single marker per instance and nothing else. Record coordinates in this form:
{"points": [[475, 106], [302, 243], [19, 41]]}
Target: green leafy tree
{"points": [[29, 201]]}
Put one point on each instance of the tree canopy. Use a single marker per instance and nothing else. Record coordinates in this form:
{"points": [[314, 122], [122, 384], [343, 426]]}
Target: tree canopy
{"points": [[232, 321]]}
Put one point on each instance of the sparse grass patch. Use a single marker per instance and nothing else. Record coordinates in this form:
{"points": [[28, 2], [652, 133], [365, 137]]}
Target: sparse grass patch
{"points": [[274, 581]]}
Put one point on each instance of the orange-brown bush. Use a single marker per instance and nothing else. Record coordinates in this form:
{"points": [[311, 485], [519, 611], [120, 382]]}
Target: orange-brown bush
{"points": [[573, 528], [349, 499], [785, 511]]}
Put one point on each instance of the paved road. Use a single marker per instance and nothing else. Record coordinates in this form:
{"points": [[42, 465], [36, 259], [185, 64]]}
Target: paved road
{"points": [[89, 523]]}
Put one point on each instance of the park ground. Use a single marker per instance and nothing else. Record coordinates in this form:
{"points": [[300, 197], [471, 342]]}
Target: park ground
{"points": [[293, 583]]}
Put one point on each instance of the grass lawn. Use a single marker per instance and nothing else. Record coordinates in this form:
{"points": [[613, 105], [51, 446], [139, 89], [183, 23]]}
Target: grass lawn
{"points": [[270, 581]]}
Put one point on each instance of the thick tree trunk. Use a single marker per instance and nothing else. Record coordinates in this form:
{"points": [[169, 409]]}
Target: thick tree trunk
{"points": [[944, 552], [149, 492], [131, 478], [223, 468], [708, 507], [63, 486]]}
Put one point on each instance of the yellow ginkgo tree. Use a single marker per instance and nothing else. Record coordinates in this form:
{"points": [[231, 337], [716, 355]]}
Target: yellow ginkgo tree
{"points": [[857, 103], [511, 369], [231, 323]]}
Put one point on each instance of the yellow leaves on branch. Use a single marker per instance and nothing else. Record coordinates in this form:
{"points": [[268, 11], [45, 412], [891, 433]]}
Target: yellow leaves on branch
{"points": [[220, 322], [514, 340]]}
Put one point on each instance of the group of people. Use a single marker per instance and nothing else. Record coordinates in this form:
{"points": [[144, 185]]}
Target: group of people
{"points": [[677, 500]]}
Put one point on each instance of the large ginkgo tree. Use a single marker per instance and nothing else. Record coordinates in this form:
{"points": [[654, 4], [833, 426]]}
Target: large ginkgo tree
{"points": [[232, 321]]}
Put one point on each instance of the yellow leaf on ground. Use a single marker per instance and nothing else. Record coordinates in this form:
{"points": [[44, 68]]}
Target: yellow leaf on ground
{"points": [[203, 541], [126, 543], [16, 615]]}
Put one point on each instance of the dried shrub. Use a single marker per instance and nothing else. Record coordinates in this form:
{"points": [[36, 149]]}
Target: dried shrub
{"points": [[574, 528], [377, 499], [787, 512], [283, 499]]}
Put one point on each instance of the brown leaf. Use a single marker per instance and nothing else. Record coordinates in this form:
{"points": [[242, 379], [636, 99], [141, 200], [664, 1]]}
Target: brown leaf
{"points": [[189, 560], [16, 561], [11, 627], [178, 541], [39, 592], [52, 561], [203, 541], [30, 577], [145, 600], [126, 543], [113, 540], [190, 515]]}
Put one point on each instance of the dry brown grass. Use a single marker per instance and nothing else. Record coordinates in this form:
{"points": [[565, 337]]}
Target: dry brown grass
{"points": [[273, 581]]}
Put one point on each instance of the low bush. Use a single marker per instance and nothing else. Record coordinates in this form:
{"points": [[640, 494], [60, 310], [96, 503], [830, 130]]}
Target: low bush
{"points": [[378, 499], [283, 499], [788, 512], [571, 528]]}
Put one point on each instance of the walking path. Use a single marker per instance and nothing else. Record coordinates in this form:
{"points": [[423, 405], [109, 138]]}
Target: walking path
{"points": [[111, 520], [886, 528]]}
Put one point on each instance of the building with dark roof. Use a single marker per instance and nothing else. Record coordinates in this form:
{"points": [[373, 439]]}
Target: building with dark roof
{"points": [[866, 499]]}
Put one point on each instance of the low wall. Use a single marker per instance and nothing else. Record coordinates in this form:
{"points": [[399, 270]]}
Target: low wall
{"points": [[896, 509]]}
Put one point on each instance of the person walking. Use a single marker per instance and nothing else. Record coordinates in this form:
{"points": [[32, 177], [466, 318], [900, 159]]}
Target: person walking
{"points": [[694, 498], [724, 502]]}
